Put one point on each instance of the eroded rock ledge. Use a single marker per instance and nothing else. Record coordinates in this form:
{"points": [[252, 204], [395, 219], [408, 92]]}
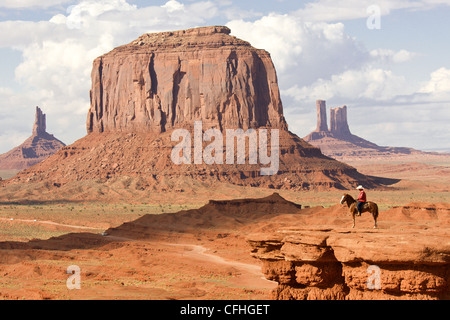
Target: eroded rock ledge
{"points": [[334, 264]]}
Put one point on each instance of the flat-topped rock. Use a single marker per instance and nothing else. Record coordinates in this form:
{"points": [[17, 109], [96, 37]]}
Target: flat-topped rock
{"points": [[171, 79], [205, 36], [410, 265]]}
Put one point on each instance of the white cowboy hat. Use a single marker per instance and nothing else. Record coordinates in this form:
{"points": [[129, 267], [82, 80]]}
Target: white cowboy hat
{"points": [[360, 188]]}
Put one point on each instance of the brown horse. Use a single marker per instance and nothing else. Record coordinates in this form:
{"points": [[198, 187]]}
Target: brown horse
{"points": [[369, 206]]}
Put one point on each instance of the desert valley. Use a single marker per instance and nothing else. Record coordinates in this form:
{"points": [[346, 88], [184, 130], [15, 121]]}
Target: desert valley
{"points": [[114, 207]]}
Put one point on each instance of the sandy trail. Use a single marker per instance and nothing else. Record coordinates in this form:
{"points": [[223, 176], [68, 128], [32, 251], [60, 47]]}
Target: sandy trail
{"points": [[50, 223], [241, 274], [248, 275]]}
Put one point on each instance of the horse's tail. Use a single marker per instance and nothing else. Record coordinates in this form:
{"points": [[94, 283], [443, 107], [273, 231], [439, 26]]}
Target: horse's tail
{"points": [[375, 213]]}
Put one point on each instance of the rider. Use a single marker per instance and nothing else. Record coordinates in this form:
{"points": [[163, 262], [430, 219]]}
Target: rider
{"points": [[361, 199]]}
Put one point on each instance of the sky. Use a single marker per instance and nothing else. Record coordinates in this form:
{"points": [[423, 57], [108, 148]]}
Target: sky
{"points": [[387, 61]]}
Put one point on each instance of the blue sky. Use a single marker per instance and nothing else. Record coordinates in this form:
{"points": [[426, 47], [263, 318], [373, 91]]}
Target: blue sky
{"points": [[394, 78]]}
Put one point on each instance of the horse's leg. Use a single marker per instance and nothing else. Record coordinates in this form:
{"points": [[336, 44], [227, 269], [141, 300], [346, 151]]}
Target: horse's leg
{"points": [[353, 212], [375, 216], [375, 221]]}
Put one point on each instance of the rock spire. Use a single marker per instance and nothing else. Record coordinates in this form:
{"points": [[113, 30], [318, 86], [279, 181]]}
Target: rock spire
{"points": [[39, 126], [321, 116], [339, 143], [35, 149], [338, 122]]}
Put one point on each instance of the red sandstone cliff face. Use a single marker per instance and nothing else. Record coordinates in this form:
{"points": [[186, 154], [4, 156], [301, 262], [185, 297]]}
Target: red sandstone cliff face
{"points": [[321, 116], [168, 80], [328, 263], [35, 149]]}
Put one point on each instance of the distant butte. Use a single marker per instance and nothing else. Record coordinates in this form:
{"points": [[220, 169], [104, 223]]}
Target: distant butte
{"points": [[339, 143], [35, 149]]}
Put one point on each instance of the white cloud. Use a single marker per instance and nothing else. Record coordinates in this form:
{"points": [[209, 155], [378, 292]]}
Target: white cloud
{"points": [[62, 68], [391, 56], [439, 84], [173, 5], [16, 120], [383, 107], [328, 10], [281, 35], [403, 125], [302, 51], [19, 34], [367, 84]]}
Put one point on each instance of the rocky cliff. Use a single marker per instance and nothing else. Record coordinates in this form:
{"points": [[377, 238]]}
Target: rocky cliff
{"points": [[332, 264], [171, 79], [38, 147]]}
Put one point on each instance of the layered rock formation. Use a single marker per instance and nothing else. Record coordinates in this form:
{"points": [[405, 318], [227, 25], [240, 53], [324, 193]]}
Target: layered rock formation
{"points": [[315, 254], [35, 149], [341, 144], [327, 264], [143, 91]]}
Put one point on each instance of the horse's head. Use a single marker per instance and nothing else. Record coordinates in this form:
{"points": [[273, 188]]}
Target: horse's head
{"points": [[344, 198]]}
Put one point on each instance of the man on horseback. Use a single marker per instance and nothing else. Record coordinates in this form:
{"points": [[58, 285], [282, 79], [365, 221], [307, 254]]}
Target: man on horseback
{"points": [[362, 199], [362, 205]]}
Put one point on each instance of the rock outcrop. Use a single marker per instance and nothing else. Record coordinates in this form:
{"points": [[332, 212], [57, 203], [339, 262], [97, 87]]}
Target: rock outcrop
{"points": [[315, 254], [35, 149], [338, 123], [322, 126], [327, 264], [143, 91], [321, 116]]}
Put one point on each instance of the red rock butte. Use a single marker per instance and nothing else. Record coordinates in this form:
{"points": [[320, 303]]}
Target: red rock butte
{"points": [[339, 143], [168, 80], [38, 147], [141, 92]]}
